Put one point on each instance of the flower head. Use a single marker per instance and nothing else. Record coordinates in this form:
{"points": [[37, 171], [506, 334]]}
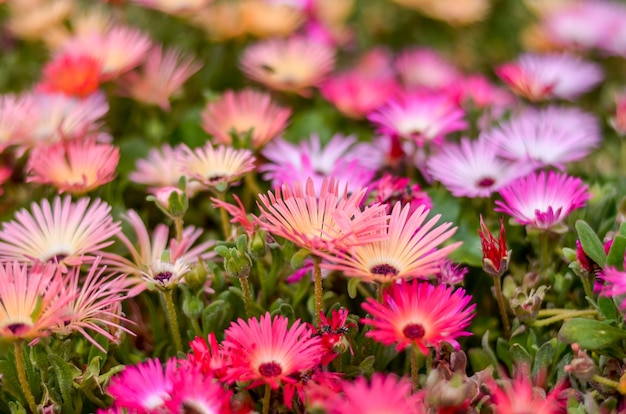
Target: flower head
{"points": [[71, 74], [561, 76], [543, 200], [421, 67], [243, 112], [419, 314], [196, 392], [15, 122], [495, 254], [64, 232], [614, 284], [408, 250], [174, 7], [332, 331], [209, 357], [266, 351], [389, 189]]}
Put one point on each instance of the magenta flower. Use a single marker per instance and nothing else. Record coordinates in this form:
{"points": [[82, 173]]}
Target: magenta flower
{"points": [[542, 200], [419, 117], [422, 67], [198, 393], [560, 76], [473, 168], [389, 189], [614, 284], [419, 314], [267, 351]]}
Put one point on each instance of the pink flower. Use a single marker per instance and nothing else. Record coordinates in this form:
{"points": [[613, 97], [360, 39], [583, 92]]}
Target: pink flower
{"points": [[196, 392], [243, 112], [543, 200], [619, 121], [473, 168], [419, 117], [477, 90], [209, 357], [539, 77], [496, 255], [175, 7], [451, 274], [419, 314], [238, 213], [332, 331], [71, 74], [389, 189], [614, 284], [15, 118], [422, 67], [266, 351]]}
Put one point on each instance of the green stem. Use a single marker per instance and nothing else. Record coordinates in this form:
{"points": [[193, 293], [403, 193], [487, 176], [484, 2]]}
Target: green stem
{"points": [[21, 375], [196, 327], [319, 289], [605, 381], [379, 293], [565, 315], [587, 286], [415, 367], [247, 295], [173, 319], [497, 281], [364, 292], [266, 399], [224, 216], [251, 184], [178, 225]]}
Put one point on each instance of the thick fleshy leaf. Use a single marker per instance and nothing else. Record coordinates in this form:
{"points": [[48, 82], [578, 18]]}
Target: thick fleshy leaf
{"points": [[591, 243], [590, 334]]}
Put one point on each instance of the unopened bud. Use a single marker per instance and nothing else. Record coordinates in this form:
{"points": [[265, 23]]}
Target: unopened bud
{"points": [[582, 366], [257, 245], [526, 306], [197, 276], [192, 306]]}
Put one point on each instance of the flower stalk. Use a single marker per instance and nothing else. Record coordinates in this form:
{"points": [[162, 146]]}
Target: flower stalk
{"points": [[21, 375], [172, 319], [319, 289]]}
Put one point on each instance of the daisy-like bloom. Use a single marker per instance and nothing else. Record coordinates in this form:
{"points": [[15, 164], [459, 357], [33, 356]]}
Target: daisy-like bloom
{"points": [[71, 74], [145, 387], [419, 314], [198, 393], [324, 222], [76, 167], [421, 117], [174, 7], [539, 77], [382, 394], [356, 96], [155, 261], [243, 112], [332, 331], [342, 157], [421, 67], [32, 300], [209, 357], [479, 91], [64, 232], [270, 19], [160, 78], [95, 298], [15, 118], [268, 351], [216, 167], [221, 20], [614, 285], [473, 168], [408, 250], [290, 65], [451, 274], [460, 12], [551, 136], [389, 189], [35, 20], [542, 200]]}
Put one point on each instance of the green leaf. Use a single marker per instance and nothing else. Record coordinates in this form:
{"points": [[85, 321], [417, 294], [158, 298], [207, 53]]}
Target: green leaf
{"points": [[96, 352], [213, 314], [287, 311], [519, 355], [589, 333], [353, 284], [65, 375], [544, 357], [616, 253], [367, 365], [591, 243], [608, 308]]}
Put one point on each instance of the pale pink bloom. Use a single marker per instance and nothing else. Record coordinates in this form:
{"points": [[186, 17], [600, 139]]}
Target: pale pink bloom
{"points": [[174, 7], [216, 167], [614, 285], [342, 158], [550, 136], [355, 95], [422, 67], [290, 65], [543, 201], [15, 118], [64, 232], [158, 260], [384, 393], [473, 168], [76, 166], [269, 351], [324, 222], [550, 76], [33, 300], [418, 314], [421, 117], [409, 249], [375, 63], [160, 77], [243, 112], [118, 49]]}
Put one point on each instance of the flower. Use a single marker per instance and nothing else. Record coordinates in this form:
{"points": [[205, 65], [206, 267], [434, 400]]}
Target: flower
{"points": [[238, 212], [539, 77], [266, 351], [162, 75], [551, 136], [614, 284], [341, 158], [269, 18], [419, 314], [382, 394], [407, 250], [209, 357], [389, 189], [15, 113], [216, 167], [495, 254], [33, 300], [422, 67], [289, 65], [320, 223], [543, 200], [76, 166], [174, 7], [473, 168], [619, 120], [71, 74], [64, 232], [421, 117], [450, 273], [145, 387], [243, 112], [198, 393]]}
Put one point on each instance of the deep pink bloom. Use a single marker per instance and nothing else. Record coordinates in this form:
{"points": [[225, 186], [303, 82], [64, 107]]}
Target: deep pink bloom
{"points": [[561, 76], [543, 200], [479, 91], [332, 331], [614, 284], [267, 351], [209, 356], [419, 314], [421, 117], [312, 383], [451, 274], [238, 213], [389, 189], [71, 74], [495, 252], [619, 121], [196, 392], [422, 67]]}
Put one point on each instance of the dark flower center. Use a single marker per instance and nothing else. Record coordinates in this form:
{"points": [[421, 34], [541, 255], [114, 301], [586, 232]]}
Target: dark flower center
{"points": [[15, 328], [57, 258], [163, 276], [486, 182], [216, 178], [414, 331], [270, 369], [384, 269]]}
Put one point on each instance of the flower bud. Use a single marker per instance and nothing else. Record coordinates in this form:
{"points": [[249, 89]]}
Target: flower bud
{"points": [[257, 245], [197, 276], [172, 201], [526, 307], [495, 254], [582, 366]]}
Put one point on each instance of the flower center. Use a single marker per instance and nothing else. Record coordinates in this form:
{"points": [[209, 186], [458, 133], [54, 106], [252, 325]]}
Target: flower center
{"points": [[163, 276], [270, 369], [486, 182], [16, 328], [414, 331], [384, 269]]}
